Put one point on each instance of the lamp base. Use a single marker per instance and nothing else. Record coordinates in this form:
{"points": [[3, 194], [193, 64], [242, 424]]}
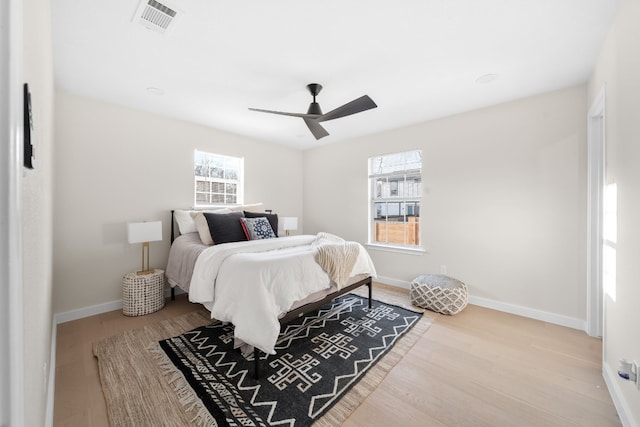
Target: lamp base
{"points": [[143, 272]]}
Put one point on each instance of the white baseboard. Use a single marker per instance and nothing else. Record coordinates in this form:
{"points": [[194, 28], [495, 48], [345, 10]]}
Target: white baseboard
{"points": [[532, 313], [52, 375], [393, 282], [545, 316], [613, 384], [81, 313]]}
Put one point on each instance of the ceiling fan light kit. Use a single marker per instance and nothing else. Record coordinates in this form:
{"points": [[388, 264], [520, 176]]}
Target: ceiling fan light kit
{"points": [[314, 115]]}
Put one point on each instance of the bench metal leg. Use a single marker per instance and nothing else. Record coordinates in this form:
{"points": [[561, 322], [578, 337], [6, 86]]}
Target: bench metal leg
{"points": [[256, 362]]}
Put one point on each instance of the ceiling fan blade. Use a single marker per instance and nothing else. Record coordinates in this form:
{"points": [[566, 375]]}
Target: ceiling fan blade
{"points": [[282, 113], [315, 128], [363, 103]]}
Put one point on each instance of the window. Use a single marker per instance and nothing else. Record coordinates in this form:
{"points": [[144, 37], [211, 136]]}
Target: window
{"points": [[395, 185], [218, 179]]}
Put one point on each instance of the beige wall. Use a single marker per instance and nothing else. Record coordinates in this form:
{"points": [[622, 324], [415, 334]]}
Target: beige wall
{"points": [[116, 165], [618, 68], [37, 213], [504, 201]]}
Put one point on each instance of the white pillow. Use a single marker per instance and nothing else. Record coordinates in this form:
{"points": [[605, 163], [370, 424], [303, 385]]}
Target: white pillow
{"points": [[185, 220], [202, 227], [255, 207]]}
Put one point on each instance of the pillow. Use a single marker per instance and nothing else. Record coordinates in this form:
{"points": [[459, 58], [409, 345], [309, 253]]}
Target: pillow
{"points": [[225, 228], [203, 227], [272, 218], [184, 218], [253, 206], [184, 221], [257, 228]]}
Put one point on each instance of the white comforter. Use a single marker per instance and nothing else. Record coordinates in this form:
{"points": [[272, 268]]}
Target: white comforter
{"points": [[250, 283]]}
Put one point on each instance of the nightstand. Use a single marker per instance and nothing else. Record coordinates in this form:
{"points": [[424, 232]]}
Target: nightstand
{"points": [[142, 294]]}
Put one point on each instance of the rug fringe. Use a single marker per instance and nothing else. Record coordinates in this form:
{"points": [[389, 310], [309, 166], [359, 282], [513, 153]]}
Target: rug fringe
{"points": [[189, 400]]}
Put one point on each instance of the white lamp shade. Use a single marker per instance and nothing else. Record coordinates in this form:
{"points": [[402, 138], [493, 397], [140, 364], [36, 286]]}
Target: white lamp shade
{"points": [[140, 232], [289, 223]]}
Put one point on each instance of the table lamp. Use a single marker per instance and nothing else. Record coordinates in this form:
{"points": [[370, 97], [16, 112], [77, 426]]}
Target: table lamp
{"points": [[289, 223], [144, 232]]}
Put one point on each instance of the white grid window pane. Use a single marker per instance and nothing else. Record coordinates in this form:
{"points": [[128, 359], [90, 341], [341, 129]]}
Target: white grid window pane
{"points": [[218, 179]]}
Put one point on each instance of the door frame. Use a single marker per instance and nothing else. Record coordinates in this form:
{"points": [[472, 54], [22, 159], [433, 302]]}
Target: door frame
{"points": [[596, 173], [11, 307]]}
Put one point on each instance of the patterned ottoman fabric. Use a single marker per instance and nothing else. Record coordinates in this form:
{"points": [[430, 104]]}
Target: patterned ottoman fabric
{"points": [[442, 294]]}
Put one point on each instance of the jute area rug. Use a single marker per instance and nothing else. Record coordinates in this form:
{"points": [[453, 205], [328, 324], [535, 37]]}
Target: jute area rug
{"points": [[138, 393]]}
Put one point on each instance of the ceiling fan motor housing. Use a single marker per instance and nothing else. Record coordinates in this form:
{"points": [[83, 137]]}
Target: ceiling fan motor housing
{"points": [[314, 108]]}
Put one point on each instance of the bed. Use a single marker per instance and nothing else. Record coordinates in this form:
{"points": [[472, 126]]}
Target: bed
{"points": [[262, 283]]}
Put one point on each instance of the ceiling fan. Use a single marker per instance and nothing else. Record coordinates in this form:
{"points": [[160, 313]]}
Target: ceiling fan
{"points": [[314, 114]]}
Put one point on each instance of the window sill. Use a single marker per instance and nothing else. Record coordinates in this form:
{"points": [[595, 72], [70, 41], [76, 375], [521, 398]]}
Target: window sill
{"points": [[396, 249]]}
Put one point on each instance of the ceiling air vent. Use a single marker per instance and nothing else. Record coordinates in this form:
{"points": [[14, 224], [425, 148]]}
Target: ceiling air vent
{"points": [[156, 16]]}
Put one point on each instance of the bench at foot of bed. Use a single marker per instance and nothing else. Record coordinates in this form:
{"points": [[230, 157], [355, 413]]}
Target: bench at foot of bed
{"points": [[301, 311]]}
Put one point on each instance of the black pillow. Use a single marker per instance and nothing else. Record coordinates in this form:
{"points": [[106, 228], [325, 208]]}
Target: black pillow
{"points": [[272, 218], [225, 228]]}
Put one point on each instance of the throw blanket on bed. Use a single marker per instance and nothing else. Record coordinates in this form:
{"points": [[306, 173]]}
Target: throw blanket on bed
{"points": [[251, 283], [336, 256]]}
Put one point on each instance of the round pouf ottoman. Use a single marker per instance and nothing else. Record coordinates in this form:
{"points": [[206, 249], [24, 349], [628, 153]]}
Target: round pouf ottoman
{"points": [[442, 294]]}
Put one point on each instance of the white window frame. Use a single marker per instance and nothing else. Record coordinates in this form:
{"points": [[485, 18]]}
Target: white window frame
{"points": [[416, 197], [238, 181]]}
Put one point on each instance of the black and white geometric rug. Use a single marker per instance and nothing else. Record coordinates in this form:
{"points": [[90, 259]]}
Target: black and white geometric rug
{"points": [[318, 358]]}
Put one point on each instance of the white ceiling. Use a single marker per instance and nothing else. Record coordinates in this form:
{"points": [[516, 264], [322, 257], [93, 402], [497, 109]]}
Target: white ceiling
{"points": [[417, 59]]}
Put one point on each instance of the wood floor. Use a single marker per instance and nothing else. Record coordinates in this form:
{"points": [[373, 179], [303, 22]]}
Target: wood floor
{"points": [[478, 368]]}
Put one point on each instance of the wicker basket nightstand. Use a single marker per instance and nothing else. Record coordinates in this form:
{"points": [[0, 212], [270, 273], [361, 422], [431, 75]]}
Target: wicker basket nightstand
{"points": [[442, 294], [142, 294]]}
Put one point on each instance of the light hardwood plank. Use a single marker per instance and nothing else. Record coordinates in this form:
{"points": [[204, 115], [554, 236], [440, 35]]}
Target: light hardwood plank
{"points": [[478, 368]]}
